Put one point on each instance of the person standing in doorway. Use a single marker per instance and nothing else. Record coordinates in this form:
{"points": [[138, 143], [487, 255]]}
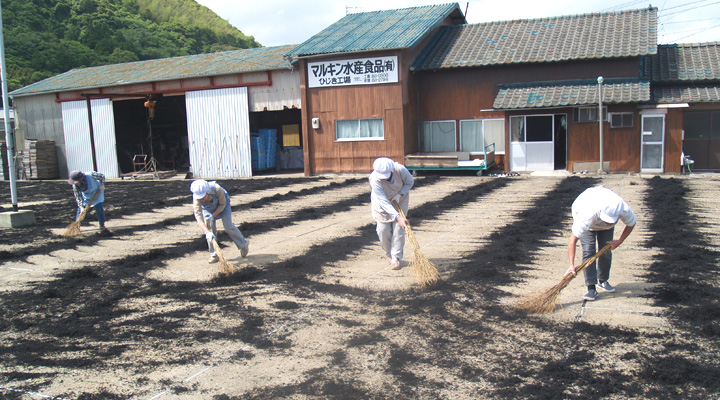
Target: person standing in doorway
{"points": [[390, 181], [212, 202], [595, 213], [85, 186]]}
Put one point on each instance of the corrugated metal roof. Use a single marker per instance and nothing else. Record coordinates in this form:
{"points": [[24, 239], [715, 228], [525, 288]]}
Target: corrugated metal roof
{"points": [[378, 30], [213, 64], [684, 62], [686, 94], [587, 36], [570, 94]]}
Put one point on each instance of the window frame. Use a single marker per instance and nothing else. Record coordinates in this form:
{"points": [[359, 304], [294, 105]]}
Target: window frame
{"points": [[577, 113], [421, 141], [483, 120], [359, 138], [621, 114]]}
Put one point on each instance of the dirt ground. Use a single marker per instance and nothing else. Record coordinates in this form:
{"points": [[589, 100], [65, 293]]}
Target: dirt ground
{"points": [[315, 312]]}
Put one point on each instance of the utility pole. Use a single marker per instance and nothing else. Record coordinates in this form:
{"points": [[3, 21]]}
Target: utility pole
{"points": [[9, 140], [600, 80]]}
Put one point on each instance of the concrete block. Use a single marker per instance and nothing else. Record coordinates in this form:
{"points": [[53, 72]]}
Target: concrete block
{"points": [[16, 219], [591, 167]]}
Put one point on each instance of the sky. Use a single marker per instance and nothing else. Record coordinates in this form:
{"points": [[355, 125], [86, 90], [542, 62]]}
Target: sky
{"points": [[283, 22]]}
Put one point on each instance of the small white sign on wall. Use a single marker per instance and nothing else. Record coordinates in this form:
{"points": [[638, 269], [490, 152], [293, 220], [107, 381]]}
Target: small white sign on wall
{"points": [[358, 71]]}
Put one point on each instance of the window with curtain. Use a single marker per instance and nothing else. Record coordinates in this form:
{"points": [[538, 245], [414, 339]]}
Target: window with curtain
{"points": [[359, 129], [476, 134], [437, 136]]}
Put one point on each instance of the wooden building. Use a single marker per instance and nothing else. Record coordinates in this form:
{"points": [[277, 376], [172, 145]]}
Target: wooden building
{"points": [[359, 96], [529, 89], [689, 74]]}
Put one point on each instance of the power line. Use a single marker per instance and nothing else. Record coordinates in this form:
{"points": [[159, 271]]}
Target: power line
{"points": [[699, 31]]}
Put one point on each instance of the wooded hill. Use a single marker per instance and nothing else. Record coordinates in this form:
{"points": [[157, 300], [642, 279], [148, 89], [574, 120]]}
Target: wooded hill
{"points": [[44, 38]]}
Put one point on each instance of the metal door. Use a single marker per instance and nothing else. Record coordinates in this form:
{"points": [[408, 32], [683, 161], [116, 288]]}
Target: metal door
{"points": [[76, 129], [652, 148], [531, 143], [219, 133]]}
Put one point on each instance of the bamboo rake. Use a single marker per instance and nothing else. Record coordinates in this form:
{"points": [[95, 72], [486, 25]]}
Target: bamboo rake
{"points": [[226, 267], [73, 229], [544, 303], [423, 268]]}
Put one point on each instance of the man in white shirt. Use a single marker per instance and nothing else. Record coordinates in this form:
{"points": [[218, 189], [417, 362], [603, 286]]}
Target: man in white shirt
{"points": [[595, 213], [390, 181]]}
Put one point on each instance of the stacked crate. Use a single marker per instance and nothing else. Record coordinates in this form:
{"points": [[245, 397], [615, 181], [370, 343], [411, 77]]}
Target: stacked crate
{"points": [[40, 159], [263, 146]]}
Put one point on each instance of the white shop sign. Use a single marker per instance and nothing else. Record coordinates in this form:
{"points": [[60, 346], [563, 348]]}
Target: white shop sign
{"points": [[359, 71]]}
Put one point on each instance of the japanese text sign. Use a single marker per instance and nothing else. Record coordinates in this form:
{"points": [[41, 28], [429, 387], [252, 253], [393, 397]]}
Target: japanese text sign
{"points": [[359, 71]]}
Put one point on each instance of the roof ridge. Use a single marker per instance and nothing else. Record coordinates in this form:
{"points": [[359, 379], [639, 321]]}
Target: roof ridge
{"points": [[569, 16], [404, 8], [693, 44]]}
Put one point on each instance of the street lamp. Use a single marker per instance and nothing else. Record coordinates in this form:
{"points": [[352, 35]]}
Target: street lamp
{"points": [[600, 120]]}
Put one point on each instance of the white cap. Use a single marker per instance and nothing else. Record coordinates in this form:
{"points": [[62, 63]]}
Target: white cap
{"points": [[199, 188], [382, 167]]}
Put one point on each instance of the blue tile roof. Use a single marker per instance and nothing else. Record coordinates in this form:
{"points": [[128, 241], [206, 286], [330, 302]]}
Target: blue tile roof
{"points": [[379, 30], [575, 37], [213, 64]]}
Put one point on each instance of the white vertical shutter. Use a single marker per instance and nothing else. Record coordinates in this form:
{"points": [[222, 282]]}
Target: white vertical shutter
{"points": [[219, 133], [76, 130]]}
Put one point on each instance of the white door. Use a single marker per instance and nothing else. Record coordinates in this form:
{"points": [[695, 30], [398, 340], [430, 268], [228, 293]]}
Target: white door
{"points": [[532, 146], [653, 143], [219, 133], [76, 129]]}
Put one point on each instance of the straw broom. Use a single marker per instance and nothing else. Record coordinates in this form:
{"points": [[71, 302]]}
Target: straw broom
{"points": [[226, 267], [544, 303], [73, 229], [424, 270]]}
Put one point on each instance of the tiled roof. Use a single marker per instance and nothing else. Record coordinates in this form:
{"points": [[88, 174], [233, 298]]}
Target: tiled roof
{"points": [[213, 64], [379, 30], [570, 94], [576, 37], [705, 94], [684, 62]]}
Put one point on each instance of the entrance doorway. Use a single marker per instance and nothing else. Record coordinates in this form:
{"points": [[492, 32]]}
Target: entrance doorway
{"points": [[702, 139], [538, 142], [165, 136], [652, 144]]}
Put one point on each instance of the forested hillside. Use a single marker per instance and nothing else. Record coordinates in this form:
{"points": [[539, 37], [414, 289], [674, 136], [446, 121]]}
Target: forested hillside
{"points": [[44, 38]]}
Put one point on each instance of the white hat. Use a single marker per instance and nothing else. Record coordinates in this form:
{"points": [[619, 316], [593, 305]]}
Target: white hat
{"points": [[382, 167], [199, 188]]}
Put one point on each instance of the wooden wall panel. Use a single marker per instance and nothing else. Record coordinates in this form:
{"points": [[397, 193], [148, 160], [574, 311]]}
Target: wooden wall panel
{"points": [[463, 93], [354, 102], [673, 140]]}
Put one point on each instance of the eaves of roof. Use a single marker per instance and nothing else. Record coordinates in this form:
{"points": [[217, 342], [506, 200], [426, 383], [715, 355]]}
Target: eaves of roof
{"points": [[193, 66], [686, 94], [570, 94]]}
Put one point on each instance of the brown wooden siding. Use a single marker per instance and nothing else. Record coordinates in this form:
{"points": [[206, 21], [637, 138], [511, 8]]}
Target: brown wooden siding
{"points": [[324, 154], [463, 93], [470, 93], [673, 140]]}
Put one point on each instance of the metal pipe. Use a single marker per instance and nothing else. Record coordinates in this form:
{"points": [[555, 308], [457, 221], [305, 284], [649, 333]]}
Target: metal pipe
{"points": [[600, 121], [9, 139]]}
